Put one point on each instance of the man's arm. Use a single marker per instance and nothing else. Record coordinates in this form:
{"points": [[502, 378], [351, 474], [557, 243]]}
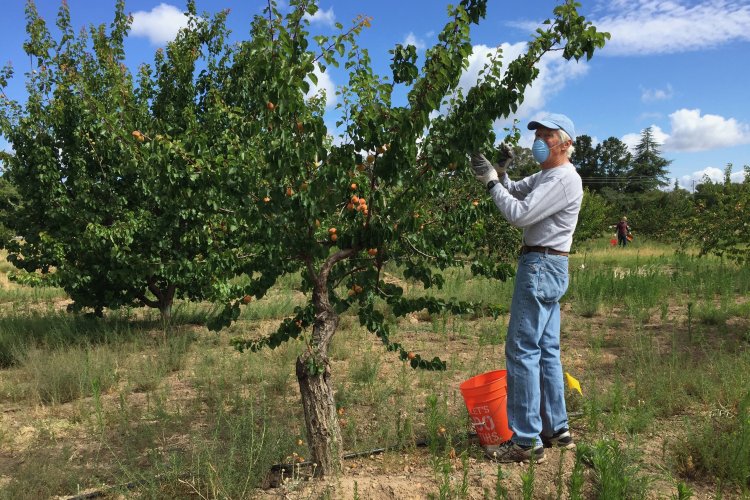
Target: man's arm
{"points": [[546, 199]]}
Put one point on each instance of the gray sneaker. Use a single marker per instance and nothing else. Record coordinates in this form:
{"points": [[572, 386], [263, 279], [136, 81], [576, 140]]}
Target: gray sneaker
{"points": [[560, 439], [510, 452]]}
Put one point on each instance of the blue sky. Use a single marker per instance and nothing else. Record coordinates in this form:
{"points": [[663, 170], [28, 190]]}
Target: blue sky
{"points": [[679, 66]]}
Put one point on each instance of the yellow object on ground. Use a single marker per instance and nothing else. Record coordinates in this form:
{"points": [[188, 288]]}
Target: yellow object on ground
{"points": [[573, 383]]}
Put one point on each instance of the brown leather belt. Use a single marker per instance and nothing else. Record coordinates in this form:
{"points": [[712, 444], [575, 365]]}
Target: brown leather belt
{"points": [[551, 251]]}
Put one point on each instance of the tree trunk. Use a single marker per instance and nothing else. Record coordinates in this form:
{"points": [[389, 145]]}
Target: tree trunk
{"points": [[323, 430], [314, 378], [163, 302], [166, 313], [166, 301]]}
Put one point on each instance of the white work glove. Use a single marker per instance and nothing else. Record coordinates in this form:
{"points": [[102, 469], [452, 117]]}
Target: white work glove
{"points": [[505, 159], [483, 169]]}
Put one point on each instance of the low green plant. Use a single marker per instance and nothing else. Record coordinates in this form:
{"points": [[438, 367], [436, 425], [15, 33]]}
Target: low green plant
{"points": [[718, 446], [22, 330], [528, 480], [708, 314], [501, 491], [617, 472], [46, 474], [684, 492], [366, 370], [65, 375], [240, 447], [492, 332], [436, 422], [559, 480], [577, 478], [443, 469]]}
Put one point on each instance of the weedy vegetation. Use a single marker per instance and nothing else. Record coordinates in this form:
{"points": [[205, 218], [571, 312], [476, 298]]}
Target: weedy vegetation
{"points": [[119, 405]]}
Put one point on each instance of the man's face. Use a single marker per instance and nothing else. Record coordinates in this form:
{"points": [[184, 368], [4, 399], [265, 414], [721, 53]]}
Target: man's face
{"points": [[556, 147]]}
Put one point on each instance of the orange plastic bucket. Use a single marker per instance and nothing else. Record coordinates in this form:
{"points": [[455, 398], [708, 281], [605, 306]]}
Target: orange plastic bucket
{"points": [[485, 396]]}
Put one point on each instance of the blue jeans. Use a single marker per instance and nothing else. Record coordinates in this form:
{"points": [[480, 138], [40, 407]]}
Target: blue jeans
{"points": [[536, 394]]}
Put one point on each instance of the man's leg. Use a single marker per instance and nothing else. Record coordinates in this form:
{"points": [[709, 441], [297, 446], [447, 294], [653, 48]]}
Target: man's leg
{"points": [[528, 316], [553, 411]]}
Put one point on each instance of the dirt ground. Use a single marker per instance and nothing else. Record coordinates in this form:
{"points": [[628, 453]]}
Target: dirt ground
{"points": [[409, 474]]}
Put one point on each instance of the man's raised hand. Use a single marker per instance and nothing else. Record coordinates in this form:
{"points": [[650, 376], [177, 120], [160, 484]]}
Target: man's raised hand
{"points": [[483, 169]]}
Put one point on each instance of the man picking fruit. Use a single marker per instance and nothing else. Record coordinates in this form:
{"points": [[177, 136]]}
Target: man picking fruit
{"points": [[545, 205]]}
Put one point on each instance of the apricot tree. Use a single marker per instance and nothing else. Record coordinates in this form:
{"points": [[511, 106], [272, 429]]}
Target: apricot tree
{"points": [[389, 190], [130, 185], [717, 224]]}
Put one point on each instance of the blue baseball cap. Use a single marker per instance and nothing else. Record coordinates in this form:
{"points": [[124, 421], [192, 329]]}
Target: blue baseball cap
{"points": [[555, 122]]}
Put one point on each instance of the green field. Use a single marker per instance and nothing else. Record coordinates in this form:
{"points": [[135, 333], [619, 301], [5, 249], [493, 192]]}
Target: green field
{"points": [[659, 340]]}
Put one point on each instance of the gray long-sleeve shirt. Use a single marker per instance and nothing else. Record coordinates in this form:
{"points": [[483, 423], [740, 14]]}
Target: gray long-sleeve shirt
{"points": [[545, 205]]}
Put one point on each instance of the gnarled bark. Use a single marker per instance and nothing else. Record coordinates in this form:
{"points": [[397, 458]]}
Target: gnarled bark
{"points": [[314, 379]]}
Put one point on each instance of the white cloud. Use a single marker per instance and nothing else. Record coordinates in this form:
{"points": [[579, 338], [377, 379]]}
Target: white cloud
{"points": [[693, 132], [689, 182], [411, 39], [160, 25], [690, 132], [651, 95], [324, 17], [641, 27], [325, 84]]}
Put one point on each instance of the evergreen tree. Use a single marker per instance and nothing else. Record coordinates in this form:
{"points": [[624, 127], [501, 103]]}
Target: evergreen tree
{"points": [[614, 161], [649, 169], [585, 160]]}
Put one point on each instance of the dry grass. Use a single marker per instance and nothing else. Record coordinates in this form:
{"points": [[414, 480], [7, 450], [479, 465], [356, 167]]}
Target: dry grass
{"points": [[163, 417]]}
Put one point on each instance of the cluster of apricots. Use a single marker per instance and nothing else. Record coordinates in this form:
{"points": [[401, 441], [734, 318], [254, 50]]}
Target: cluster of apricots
{"points": [[358, 204]]}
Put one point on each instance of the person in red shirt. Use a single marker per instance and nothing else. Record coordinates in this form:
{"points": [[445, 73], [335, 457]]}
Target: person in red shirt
{"points": [[622, 231]]}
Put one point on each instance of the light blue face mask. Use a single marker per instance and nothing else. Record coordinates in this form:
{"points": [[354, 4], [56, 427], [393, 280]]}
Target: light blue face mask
{"points": [[540, 150]]}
